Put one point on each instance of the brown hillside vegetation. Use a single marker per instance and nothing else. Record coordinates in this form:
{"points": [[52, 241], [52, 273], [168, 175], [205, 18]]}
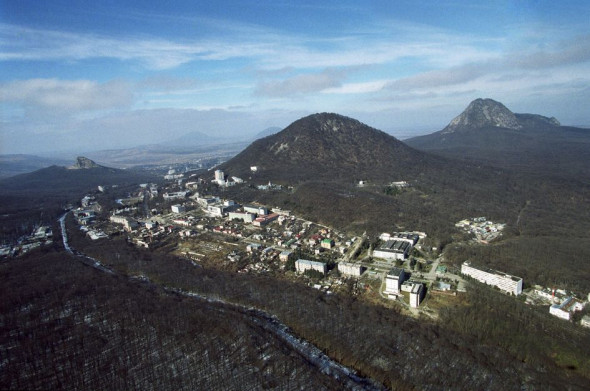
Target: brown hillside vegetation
{"points": [[68, 326], [401, 352]]}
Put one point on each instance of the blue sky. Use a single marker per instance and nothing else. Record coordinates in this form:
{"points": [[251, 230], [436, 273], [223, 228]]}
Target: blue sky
{"points": [[78, 76]]}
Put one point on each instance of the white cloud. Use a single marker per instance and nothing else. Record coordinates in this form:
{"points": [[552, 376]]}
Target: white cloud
{"points": [[358, 88], [22, 44], [65, 95], [301, 84]]}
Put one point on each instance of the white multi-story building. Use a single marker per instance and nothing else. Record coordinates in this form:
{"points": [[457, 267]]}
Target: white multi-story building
{"points": [[505, 282], [416, 295], [175, 195], [284, 256], [259, 210], [128, 223], [409, 237], [206, 200], [178, 208], [350, 269], [301, 265], [216, 210], [245, 217], [393, 280], [219, 176]]}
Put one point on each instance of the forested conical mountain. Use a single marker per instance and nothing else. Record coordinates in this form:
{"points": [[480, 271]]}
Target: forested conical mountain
{"points": [[329, 147], [490, 133]]}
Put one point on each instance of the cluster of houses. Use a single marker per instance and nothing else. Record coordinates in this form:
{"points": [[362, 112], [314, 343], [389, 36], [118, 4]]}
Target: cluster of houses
{"points": [[483, 229], [41, 236], [562, 304], [86, 217], [221, 180]]}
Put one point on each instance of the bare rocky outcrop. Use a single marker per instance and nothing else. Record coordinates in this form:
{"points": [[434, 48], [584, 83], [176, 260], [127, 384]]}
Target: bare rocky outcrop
{"points": [[83, 163], [484, 113]]}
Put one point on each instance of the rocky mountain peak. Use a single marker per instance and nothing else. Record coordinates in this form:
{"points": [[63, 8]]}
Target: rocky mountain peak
{"points": [[83, 163], [484, 113]]}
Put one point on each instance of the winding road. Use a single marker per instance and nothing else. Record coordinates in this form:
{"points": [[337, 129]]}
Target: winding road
{"points": [[312, 354]]}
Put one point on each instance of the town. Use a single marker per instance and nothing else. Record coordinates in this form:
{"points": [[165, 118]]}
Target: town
{"points": [[190, 214]]}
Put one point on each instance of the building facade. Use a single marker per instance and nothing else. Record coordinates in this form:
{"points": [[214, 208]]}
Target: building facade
{"points": [[350, 269], [393, 250], [128, 223], [393, 280], [301, 265], [416, 295], [245, 217], [178, 208], [504, 282]]}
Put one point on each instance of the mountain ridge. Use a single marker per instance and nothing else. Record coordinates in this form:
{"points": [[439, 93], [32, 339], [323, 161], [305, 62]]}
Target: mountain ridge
{"points": [[487, 132], [485, 113]]}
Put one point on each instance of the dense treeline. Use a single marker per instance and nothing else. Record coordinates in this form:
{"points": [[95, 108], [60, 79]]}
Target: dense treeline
{"points": [[495, 319], [19, 215], [68, 326], [547, 261], [401, 352], [545, 240]]}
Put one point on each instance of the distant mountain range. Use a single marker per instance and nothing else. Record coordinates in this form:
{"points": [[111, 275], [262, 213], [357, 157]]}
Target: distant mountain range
{"points": [[186, 148], [199, 139], [489, 133], [193, 139], [267, 132]]}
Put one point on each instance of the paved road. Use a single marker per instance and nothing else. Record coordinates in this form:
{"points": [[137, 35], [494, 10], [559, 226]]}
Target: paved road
{"points": [[432, 273], [356, 246]]}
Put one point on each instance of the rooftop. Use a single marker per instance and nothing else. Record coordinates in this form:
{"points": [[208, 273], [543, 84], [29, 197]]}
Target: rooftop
{"points": [[396, 271], [307, 261], [394, 246], [492, 271]]}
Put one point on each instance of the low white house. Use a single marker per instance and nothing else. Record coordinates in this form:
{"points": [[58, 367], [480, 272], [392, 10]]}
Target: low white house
{"points": [[566, 309]]}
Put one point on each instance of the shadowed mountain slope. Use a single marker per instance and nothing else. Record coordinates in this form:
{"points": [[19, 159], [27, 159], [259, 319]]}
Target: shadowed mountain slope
{"points": [[82, 176], [329, 147], [489, 133]]}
